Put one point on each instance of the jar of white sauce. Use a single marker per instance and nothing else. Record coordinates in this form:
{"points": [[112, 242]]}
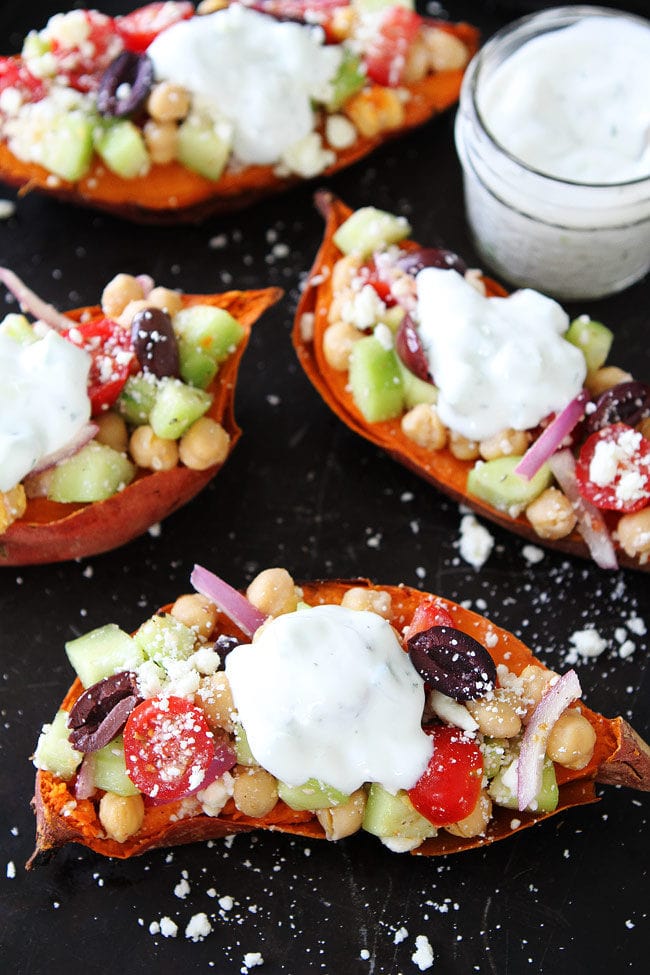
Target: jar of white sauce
{"points": [[553, 133]]}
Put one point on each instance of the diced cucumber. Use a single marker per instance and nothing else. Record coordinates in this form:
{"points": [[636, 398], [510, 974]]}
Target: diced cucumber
{"points": [[66, 146], [312, 794], [372, 6], [203, 148], [197, 367], [94, 473], [122, 147], [349, 78], [375, 380], [18, 328], [137, 398], [392, 318], [368, 230], [592, 338], [54, 753], [243, 749], [503, 789], [176, 407], [496, 753], [416, 390], [164, 638], [388, 815], [494, 481], [213, 330], [109, 769], [103, 652]]}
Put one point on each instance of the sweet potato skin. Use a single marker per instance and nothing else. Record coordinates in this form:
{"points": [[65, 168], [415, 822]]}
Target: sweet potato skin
{"points": [[620, 757], [54, 532], [440, 468]]}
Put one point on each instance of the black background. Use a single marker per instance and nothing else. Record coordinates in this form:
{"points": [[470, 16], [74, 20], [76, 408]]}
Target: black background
{"points": [[301, 491]]}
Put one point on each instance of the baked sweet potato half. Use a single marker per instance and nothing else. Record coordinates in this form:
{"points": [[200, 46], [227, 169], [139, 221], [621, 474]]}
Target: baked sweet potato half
{"points": [[114, 415], [227, 713], [573, 474], [161, 118]]}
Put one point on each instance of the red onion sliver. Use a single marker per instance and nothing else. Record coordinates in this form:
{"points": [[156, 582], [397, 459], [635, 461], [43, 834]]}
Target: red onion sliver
{"points": [[146, 282], [533, 746], [229, 601], [590, 520], [80, 439], [32, 303], [84, 786], [551, 438]]}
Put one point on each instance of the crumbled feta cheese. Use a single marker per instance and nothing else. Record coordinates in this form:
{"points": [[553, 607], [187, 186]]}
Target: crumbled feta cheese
{"points": [[198, 927], [253, 959], [476, 542], [384, 336], [423, 954], [451, 711], [364, 309], [586, 643], [307, 157], [340, 132], [216, 795]]}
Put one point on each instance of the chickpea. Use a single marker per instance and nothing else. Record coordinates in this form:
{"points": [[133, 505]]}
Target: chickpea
{"points": [[375, 110], [446, 52], [462, 448], [38, 485], [215, 697], [344, 272], [416, 64], [13, 504], [495, 716], [162, 140], [197, 612], [168, 102], [166, 299], [343, 820], [602, 379], [338, 340], [209, 6], [273, 592], [370, 600], [535, 682], [205, 444], [424, 427], [551, 514], [152, 452], [633, 533], [119, 291], [130, 310], [121, 816], [571, 741], [255, 791], [475, 823], [112, 432], [504, 444]]}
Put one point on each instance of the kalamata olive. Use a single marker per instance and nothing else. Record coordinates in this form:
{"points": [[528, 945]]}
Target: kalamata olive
{"points": [[409, 348], [124, 86], [154, 342], [415, 260], [224, 644], [452, 662], [624, 403], [100, 712]]}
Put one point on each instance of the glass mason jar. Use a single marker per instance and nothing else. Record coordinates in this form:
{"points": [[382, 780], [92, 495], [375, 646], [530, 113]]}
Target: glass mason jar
{"points": [[569, 239]]}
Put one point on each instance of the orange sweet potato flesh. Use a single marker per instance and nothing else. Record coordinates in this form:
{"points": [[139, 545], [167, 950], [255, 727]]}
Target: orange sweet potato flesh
{"points": [[53, 532], [171, 193], [439, 467], [620, 757]]}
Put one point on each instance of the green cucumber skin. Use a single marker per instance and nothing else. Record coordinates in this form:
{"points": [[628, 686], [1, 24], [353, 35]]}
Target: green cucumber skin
{"points": [[368, 230], [375, 380], [103, 652], [94, 473], [388, 815], [495, 482], [54, 752], [311, 795]]}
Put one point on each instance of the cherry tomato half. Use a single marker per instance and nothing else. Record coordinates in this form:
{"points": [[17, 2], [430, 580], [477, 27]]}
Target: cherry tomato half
{"points": [[168, 748], [427, 614], [385, 55], [14, 74], [613, 469], [450, 787], [113, 359], [142, 26], [82, 64]]}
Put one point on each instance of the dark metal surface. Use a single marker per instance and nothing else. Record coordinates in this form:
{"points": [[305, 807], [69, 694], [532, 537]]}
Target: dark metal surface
{"points": [[302, 491]]}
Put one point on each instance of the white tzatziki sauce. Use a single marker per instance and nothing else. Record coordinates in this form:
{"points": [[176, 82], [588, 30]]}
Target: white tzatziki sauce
{"points": [[43, 401], [328, 693], [497, 362], [574, 103], [258, 73]]}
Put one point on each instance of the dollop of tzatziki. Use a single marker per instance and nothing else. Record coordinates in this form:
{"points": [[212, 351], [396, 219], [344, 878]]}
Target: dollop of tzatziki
{"points": [[498, 363], [257, 73], [43, 401], [328, 693]]}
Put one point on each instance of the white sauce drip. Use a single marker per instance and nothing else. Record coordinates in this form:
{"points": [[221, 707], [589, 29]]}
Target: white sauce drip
{"points": [[43, 401], [328, 693], [258, 73], [497, 362], [574, 103]]}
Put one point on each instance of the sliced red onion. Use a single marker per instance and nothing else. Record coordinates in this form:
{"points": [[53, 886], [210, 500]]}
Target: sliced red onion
{"points": [[80, 439], [590, 520], [224, 759], [533, 746], [84, 786], [146, 282], [33, 304], [232, 603], [551, 438]]}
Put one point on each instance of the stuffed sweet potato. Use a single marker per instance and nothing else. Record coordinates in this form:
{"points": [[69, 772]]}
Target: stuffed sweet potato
{"points": [[115, 415], [164, 116], [226, 713], [546, 441]]}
